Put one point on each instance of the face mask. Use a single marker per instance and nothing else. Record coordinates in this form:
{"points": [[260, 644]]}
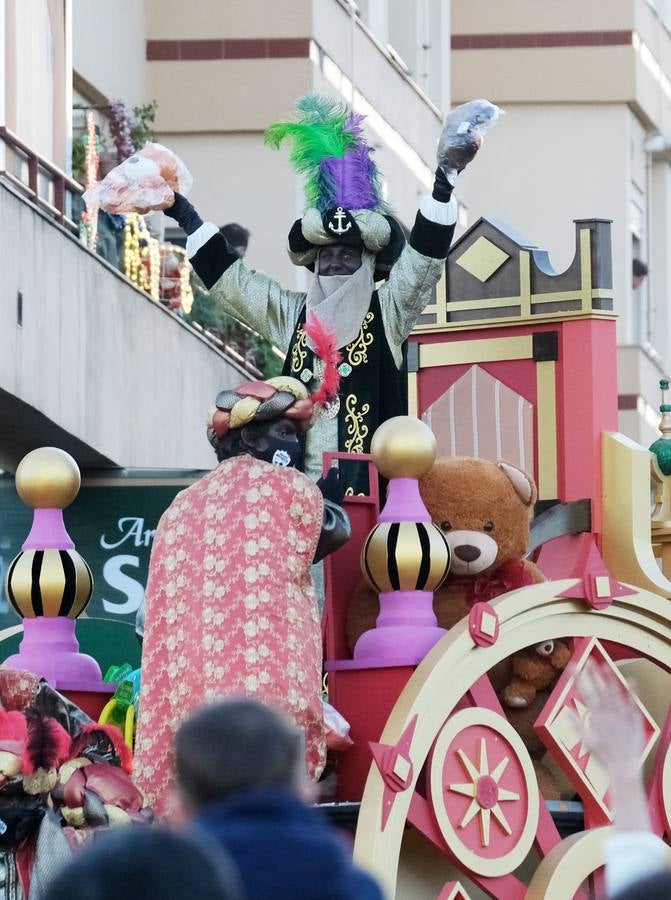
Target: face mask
{"points": [[283, 453]]}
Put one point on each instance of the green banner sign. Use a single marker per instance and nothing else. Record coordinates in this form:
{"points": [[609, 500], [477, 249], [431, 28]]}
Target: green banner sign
{"points": [[112, 523]]}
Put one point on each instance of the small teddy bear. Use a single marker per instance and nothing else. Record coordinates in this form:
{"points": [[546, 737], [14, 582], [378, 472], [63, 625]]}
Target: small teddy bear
{"points": [[535, 669]]}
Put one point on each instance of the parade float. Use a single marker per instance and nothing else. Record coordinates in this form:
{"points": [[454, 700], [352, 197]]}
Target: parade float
{"points": [[455, 628], [512, 361]]}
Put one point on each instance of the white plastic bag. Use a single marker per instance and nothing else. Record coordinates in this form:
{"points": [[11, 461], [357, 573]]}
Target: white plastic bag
{"points": [[336, 729], [463, 133], [145, 181]]}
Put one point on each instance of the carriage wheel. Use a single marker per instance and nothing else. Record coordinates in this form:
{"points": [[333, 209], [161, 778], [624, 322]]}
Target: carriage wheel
{"points": [[450, 764]]}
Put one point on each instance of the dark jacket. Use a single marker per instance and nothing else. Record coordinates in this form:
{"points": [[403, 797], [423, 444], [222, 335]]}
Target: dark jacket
{"points": [[285, 850]]}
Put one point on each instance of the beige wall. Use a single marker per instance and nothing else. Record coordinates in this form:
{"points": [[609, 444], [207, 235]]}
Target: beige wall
{"points": [[541, 74], [514, 16], [214, 112], [109, 47], [225, 95], [170, 19], [238, 179]]}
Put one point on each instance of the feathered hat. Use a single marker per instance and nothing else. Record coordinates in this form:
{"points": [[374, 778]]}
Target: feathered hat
{"points": [[342, 184], [280, 397]]}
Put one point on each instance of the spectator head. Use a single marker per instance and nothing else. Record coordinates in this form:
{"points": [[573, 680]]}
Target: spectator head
{"points": [[237, 237], [235, 745], [638, 272], [655, 887], [151, 863]]}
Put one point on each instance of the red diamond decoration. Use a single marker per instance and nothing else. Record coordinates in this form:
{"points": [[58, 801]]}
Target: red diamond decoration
{"points": [[596, 587], [483, 624], [395, 766]]}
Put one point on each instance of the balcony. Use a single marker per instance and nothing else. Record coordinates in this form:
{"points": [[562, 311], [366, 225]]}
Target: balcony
{"points": [[88, 361]]}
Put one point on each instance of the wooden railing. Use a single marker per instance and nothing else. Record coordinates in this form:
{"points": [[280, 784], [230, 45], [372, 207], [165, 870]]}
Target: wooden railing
{"points": [[38, 179]]}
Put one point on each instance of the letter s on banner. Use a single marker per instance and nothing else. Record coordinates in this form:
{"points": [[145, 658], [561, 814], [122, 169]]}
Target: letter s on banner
{"points": [[116, 578]]}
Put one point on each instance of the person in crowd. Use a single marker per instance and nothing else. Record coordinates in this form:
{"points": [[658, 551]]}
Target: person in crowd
{"points": [[613, 732], [639, 271], [150, 863], [240, 777], [230, 602], [237, 237]]}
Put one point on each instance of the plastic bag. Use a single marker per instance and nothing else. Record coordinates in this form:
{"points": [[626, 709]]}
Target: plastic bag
{"points": [[463, 133], [336, 729], [145, 181]]}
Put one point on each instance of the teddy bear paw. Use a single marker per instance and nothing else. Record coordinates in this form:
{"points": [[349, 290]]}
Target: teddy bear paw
{"points": [[518, 695]]}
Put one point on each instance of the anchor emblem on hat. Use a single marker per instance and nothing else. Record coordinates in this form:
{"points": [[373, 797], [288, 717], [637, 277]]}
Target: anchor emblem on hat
{"points": [[339, 215]]}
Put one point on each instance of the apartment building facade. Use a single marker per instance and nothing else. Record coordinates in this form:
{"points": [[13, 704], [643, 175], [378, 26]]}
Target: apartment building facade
{"points": [[587, 133], [222, 72]]}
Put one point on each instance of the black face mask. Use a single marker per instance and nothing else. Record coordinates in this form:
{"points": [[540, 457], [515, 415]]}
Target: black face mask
{"points": [[282, 453]]}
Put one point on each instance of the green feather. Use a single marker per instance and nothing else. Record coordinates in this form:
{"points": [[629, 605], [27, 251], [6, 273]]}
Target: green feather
{"points": [[319, 133]]}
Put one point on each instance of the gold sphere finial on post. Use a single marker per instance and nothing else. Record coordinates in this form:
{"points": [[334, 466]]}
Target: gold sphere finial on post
{"points": [[48, 478], [403, 447]]}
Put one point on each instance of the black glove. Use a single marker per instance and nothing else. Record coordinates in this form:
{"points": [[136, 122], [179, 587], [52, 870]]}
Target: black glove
{"points": [[331, 488], [442, 189], [184, 214]]}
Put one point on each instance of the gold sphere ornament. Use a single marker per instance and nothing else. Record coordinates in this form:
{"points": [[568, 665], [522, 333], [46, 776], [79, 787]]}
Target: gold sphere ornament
{"points": [[403, 447], [405, 556], [49, 583], [48, 478]]}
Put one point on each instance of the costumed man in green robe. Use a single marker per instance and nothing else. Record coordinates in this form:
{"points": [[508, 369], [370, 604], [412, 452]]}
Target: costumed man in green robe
{"points": [[350, 242]]}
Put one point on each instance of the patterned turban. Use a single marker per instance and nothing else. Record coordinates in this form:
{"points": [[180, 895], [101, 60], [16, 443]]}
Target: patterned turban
{"points": [[261, 401]]}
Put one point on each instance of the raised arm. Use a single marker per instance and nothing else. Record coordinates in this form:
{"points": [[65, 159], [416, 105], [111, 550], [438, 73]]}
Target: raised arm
{"points": [[413, 278], [253, 298]]}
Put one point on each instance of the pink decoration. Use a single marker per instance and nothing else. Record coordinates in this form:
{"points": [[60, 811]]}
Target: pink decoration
{"points": [[405, 631], [406, 628], [404, 502], [483, 624], [50, 649], [48, 532], [395, 766]]}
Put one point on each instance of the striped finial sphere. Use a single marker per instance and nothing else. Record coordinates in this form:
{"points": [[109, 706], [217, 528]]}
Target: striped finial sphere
{"points": [[405, 556], [49, 583]]}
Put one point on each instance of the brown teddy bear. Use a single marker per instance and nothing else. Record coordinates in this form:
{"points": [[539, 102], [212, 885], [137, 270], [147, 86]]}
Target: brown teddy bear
{"points": [[483, 509], [523, 683], [532, 670]]}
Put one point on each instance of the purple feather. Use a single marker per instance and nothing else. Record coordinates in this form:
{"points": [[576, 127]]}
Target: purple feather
{"points": [[354, 177], [354, 124]]}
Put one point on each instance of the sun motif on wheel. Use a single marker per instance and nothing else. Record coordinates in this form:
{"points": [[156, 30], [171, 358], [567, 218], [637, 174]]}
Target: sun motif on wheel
{"points": [[486, 792], [483, 792]]}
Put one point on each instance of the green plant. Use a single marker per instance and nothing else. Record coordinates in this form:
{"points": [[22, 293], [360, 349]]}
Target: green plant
{"points": [[79, 158], [251, 346], [142, 124]]}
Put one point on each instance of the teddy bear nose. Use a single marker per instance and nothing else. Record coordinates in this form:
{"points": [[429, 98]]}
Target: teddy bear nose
{"points": [[467, 552]]}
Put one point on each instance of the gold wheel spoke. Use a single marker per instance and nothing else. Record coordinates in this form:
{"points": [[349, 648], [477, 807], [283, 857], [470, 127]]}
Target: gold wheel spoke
{"points": [[468, 765], [484, 826], [500, 769], [484, 764], [468, 790], [472, 811], [497, 812]]}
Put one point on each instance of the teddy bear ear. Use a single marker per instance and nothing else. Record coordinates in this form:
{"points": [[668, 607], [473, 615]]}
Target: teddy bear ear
{"points": [[524, 486]]}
